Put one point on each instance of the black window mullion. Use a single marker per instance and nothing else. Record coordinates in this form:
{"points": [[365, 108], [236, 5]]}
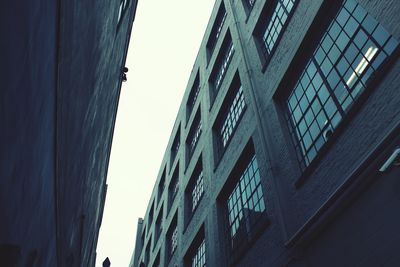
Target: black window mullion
{"points": [[328, 87]]}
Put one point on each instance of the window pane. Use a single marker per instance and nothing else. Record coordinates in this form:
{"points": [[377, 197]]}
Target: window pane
{"points": [[355, 45], [245, 213], [199, 258], [217, 28], [222, 65], [194, 93], [197, 191], [274, 25], [194, 134], [232, 115]]}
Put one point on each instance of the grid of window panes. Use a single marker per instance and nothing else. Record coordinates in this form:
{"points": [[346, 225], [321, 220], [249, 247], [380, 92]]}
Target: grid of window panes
{"points": [[174, 187], [199, 259], [151, 214], [143, 236], [274, 27], [223, 65], [161, 185], [194, 93], [350, 51], [194, 135], [245, 204], [232, 117], [175, 146], [217, 28], [198, 190], [174, 240], [159, 223]]}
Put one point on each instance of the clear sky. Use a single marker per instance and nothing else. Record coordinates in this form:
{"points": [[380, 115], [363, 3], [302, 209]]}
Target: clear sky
{"points": [[165, 39]]}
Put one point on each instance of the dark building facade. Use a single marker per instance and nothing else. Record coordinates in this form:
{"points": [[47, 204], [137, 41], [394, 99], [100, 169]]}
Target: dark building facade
{"points": [[285, 150], [60, 73]]}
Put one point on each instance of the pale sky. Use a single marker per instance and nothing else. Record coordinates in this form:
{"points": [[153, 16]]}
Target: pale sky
{"points": [[165, 39]]}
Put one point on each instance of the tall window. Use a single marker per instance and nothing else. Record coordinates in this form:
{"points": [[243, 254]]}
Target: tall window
{"points": [[151, 215], [172, 238], [222, 63], [161, 185], [341, 67], [216, 29], [198, 190], [199, 259], [230, 114], [176, 145], [244, 203], [142, 239], [196, 254], [273, 20], [174, 186], [194, 93], [159, 223], [194, 134], [147, 252], [194, 190]]}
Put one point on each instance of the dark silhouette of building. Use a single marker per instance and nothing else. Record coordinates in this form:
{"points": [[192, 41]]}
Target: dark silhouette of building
{"points": [[62, 64], [286, 147], [106, 262]]}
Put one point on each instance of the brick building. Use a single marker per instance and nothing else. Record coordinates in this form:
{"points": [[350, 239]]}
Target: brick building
{"points": [[61, 71], [277, 156]]}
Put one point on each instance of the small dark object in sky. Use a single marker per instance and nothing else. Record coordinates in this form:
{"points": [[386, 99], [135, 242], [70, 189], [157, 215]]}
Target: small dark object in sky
{"points": [[106, 262]]}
